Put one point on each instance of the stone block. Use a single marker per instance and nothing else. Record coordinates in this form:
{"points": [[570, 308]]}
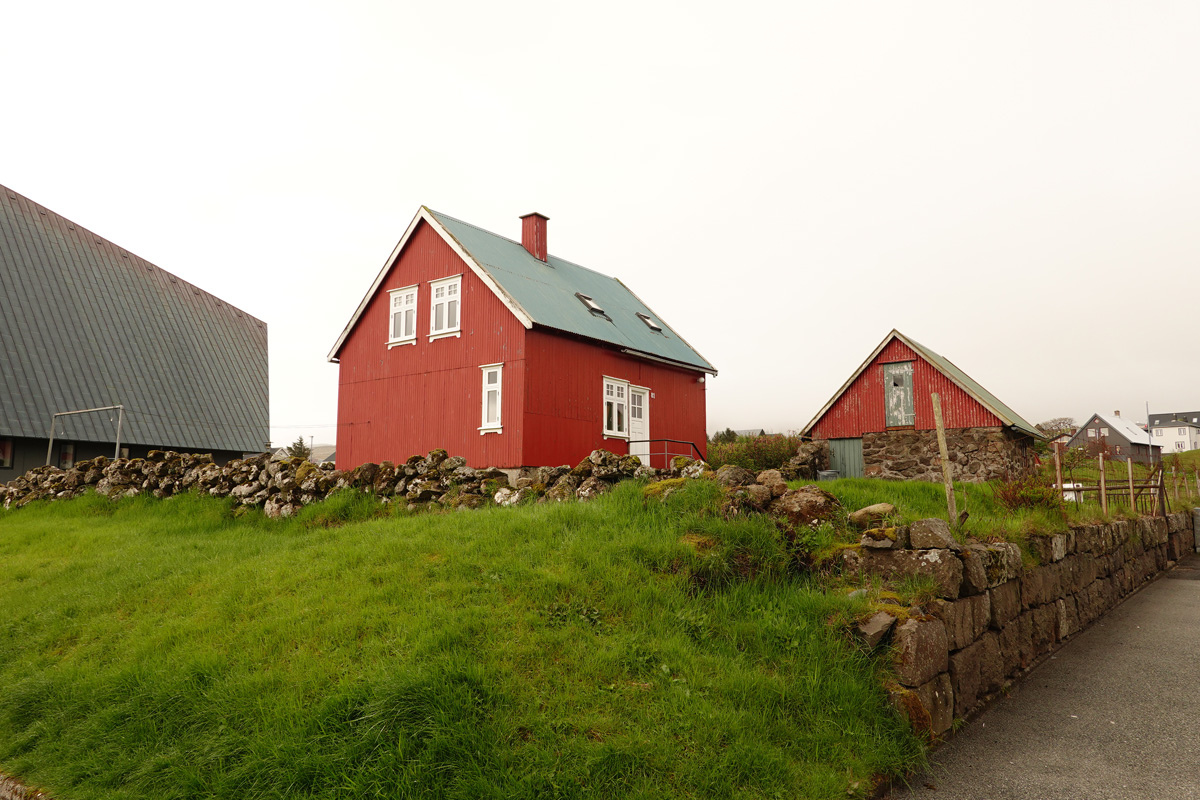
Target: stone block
{"points": [[965, 619], [991, 664], [882, 539], [937, 698], [975, 578], [1068, 616], [921, 651], [940, 565], [1005, 603], [928, 534], [875, 630], [965, 668], [1048, 548], [871, 516], [1045, 628]]}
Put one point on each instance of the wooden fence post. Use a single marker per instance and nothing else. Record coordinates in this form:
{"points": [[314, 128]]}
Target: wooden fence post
{"points": [[1175, 481], [945, 454], [1058, 469], [1132, 496], [1103, 487]]}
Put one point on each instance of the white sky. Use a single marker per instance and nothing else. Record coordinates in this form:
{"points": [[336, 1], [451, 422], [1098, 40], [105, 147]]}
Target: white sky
{"points": [[1015, 185]]}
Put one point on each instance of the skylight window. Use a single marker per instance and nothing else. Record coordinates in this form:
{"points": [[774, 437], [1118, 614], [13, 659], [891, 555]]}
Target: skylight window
{"points": [[650, 323], [591, 304]]}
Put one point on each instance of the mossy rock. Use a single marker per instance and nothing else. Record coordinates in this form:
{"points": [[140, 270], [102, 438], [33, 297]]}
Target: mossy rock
{"points": [[305, 469], [661, 489]]}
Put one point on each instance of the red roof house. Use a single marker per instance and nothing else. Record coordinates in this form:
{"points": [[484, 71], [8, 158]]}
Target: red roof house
{"points": [[497, 351], [880, 424]]}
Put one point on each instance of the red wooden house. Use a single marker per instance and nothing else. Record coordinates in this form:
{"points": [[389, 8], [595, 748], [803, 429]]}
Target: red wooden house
{"points": [[880, 424], [499, 352]]}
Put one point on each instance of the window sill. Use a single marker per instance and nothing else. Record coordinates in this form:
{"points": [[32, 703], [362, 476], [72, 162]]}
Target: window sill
{"points": [[622, 436], [482, 431], [433, 337], [400, 342]]}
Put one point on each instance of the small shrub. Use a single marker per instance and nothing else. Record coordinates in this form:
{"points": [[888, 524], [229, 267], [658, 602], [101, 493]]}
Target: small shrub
{"points": [[1029, 491], [754, 453]]}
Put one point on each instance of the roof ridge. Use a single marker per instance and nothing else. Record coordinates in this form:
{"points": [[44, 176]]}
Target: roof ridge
{"points": [[549, 256]]}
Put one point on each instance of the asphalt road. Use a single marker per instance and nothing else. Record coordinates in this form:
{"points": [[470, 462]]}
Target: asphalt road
{"points": [[1114, 714]]}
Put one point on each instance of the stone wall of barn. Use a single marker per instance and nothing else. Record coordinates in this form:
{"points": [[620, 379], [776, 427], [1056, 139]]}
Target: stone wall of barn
{"points": [[976, 454]]}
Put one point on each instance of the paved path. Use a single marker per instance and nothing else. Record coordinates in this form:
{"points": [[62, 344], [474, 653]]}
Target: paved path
{"points": [[1114, 714]]}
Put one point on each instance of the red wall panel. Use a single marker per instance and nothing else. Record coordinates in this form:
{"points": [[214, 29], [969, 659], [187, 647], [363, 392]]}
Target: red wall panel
{"points": [[861, 409], [564, 399], [413, 398]]}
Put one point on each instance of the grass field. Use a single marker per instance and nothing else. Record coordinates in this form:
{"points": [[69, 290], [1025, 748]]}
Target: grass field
{"points": [[615, 648]]}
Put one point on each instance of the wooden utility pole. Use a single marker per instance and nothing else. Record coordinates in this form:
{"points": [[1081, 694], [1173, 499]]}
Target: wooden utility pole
{"points": [[945, 454], [1058, 469], [1103, 487], [1132, 496]]}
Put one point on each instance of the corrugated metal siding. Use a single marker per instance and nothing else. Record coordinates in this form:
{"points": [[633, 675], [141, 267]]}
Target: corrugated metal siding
{"points": [[861, 407], [413, 398], [564, 399]]}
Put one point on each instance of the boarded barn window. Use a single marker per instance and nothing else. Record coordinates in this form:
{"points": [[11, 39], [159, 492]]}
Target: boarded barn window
{"points": [[898, 394]]}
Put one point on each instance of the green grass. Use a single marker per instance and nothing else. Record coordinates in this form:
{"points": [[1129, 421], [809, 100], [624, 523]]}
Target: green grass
{"points": [[175, 649], [988, 519]]}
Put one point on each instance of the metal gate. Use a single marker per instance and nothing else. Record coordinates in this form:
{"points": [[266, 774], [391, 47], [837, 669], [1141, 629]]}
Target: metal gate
{"points": [[845, 455]]}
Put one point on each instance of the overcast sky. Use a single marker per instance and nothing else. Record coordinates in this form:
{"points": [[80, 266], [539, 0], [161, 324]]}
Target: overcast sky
{"points": [[1015, 185]]}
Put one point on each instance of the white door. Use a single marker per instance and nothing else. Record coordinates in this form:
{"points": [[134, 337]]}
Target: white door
{"points": [[639, 423]]}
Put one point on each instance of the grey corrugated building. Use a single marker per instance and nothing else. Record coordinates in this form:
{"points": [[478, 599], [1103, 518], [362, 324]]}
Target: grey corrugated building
{"points": [[85, 323]]}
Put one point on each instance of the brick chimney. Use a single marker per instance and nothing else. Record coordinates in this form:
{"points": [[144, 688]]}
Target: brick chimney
{"points": [[533, 234], [1116, 413]]}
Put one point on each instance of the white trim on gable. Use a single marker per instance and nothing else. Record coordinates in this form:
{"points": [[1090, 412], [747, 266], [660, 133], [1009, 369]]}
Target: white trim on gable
{"points": [[424, 215]]}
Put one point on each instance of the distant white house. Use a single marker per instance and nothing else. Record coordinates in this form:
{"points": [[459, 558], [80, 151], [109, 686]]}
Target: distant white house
{"points": [[1119, 437], [1176, 431], [320, 453]]}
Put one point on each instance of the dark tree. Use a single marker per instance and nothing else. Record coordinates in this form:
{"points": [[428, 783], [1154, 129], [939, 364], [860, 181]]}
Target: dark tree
{"points": [[298, 449]]}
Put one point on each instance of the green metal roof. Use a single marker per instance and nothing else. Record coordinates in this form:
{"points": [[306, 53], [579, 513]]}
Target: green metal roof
{"points": [[989, 400], [85, 323], [546, 292]]}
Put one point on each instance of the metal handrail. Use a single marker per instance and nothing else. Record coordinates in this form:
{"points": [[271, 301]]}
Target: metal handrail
{"points": [[667, 454]]}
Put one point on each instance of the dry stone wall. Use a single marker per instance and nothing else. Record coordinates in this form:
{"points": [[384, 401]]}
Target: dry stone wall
{"points": [[976, 455], [283, 487], [996, 616]]}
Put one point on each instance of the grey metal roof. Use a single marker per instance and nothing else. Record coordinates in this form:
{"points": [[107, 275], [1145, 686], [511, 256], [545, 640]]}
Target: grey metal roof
{"points": [[1167, 420], [85, 323], [546, 292]]}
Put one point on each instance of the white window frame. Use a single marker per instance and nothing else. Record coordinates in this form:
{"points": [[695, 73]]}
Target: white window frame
{"points": [[1158, 431], [393, 310], [619, 398], [451, 289], [1104, 432], [1091, 433], [496, 426]]}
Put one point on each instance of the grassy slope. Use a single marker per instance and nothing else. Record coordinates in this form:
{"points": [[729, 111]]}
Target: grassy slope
{"points": [[166, 649]]}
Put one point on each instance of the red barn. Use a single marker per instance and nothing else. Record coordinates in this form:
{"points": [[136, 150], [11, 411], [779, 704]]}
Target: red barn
{"points": [[495, 350], [880, 423]]}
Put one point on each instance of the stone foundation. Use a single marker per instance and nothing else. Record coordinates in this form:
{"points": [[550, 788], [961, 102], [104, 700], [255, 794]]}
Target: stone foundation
{"points": [[976, 454], [996, 617]]}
